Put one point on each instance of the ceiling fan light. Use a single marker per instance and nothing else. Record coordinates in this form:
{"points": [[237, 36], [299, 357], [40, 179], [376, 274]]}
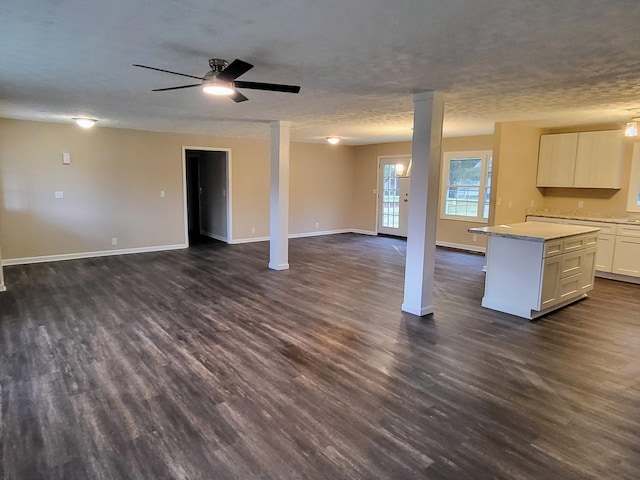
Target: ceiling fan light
{"points": [[217, 87], [631, 130], [85, 122], [333, 140]]}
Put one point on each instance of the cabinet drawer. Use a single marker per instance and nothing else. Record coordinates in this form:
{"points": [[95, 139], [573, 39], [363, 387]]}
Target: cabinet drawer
{"points": [[628, 230], [552, 247], [571, 264], [569, 286], [572, 244]]}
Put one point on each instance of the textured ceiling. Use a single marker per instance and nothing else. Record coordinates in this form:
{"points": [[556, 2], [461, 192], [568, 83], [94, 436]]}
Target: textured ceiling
{"points": [[552, 63]]}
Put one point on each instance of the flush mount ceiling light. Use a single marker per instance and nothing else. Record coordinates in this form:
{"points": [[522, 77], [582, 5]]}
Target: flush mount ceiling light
{"points": [[333, 140], [632, 128], [212, 85], [84, 122]]}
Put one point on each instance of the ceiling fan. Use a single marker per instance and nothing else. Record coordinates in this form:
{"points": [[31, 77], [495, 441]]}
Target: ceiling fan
{"points": [[221, 80]]}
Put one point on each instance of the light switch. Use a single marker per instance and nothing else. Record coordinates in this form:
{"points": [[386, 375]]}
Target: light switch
{"points": [[162, 193], [59, 194], [66, 158]]}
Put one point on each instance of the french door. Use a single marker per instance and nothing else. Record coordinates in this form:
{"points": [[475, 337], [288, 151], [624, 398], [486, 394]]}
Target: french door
{"points": [[393, 194]]}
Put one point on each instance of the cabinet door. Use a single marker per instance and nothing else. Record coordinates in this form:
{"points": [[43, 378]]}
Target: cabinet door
{"points": [[599, 159], [604, 255], [588, 269], [550, 279], [626, 257], [557, 160]]}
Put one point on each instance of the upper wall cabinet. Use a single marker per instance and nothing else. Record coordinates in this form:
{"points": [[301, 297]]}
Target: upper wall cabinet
{"points": [[581, 160]]}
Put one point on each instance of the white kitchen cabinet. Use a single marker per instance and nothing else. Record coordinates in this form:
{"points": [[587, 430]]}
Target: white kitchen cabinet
{"points": [[581, 160], [626, 258], [534, 268], [604, 255], [557, 159], [599, 160]]}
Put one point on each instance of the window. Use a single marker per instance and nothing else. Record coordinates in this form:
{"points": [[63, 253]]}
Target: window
{"points": [[633, 202], [391, 196], [466, 186]]}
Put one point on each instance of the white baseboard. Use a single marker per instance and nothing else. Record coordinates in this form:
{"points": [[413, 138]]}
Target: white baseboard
{"points": [[3, 288], [363, 232], [462, 246], [294, 235], [103, 253], [214, 236], [248, 240], [320, 233], [618, 277]]}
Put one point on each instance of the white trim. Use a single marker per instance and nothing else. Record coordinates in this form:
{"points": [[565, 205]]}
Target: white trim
{"points": [[213, 235], [229, 238], [618, 277], [3, 288], [103, 253], [318, 234], [634, 180], [379, 161], [461, 246], [428, 310], [302, 235], [237, 241], [363, 232], [282, 266], [447, 156]]}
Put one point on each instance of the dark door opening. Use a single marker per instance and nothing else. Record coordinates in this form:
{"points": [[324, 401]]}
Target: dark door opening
{"points": [[207, 197]]}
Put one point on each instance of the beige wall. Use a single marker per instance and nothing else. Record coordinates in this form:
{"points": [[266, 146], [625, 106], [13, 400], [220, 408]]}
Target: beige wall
{"points": [[366, 158], [321, 183], [112, 188], [515, 172], [595, 199]]}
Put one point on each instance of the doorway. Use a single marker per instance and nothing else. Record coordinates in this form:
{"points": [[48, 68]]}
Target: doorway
{"points": [[393, 194], [207, 180]]}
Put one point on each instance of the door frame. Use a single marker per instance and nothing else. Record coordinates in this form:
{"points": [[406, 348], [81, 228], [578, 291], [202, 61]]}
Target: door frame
{"points": [[382, 158], [227, 151]]}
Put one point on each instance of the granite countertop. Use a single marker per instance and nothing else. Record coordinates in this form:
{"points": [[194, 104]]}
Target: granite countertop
{"points": [[624, 218], [534, 231]]}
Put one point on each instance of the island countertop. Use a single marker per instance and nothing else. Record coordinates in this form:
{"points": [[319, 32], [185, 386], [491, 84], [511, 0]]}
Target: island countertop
{"points": [[533, 231]]}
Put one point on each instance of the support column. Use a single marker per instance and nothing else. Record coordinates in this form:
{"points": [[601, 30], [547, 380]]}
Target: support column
{"points": [[423, 208], [279, 203]]}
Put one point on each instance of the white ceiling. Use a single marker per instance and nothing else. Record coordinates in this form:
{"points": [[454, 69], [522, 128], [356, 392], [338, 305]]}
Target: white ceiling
{"points": [[550, 62]]}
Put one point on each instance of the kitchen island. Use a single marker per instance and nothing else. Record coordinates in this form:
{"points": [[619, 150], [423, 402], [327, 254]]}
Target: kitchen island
{"points": [[534, 267]]}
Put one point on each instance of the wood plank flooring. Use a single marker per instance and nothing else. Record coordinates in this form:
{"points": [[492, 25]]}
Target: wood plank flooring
{"points": [[205, 364]]}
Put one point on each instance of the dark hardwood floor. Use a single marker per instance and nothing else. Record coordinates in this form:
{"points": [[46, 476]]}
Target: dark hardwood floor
{"points": [[205, 364]]}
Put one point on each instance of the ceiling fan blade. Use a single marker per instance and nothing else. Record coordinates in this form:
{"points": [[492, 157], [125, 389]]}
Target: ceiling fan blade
{"points": [[238, 97], [166, 71], [176, 88], [272, 87], [234, 70]]}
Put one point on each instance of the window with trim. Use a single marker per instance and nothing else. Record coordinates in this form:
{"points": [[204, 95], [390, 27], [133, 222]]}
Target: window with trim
{"points": [[633, 202], [466, 185]]}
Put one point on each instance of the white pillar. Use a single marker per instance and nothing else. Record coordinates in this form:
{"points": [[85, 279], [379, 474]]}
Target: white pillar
{"points": [[423, 208], [279, 213]]}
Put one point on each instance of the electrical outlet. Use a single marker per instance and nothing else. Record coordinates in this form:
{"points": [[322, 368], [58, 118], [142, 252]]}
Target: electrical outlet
{"points": [[533, 202], [162, 193], [114, 241], [253, 229], [475, 238], [580, 204], [317, 224], [59, 194]]}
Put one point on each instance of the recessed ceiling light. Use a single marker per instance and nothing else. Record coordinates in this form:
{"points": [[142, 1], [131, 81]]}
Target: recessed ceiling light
{"points": [[333, 140], [85, 122]]}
